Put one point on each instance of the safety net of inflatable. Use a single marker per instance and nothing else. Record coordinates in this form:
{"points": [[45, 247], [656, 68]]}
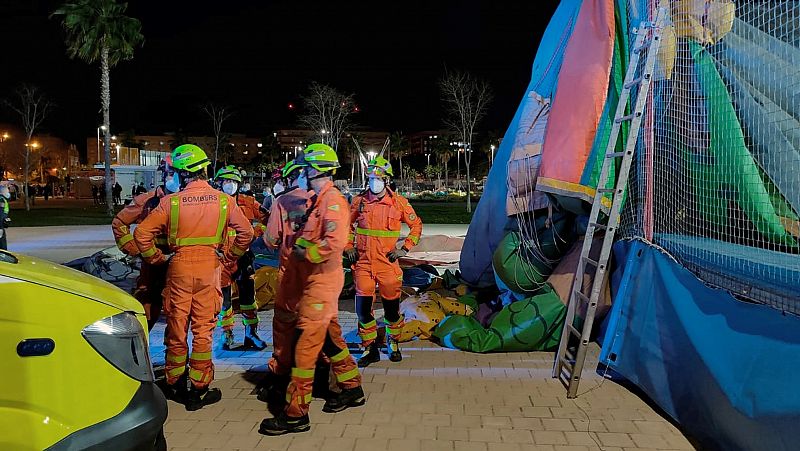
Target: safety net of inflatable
{"points": [[716, 182]]}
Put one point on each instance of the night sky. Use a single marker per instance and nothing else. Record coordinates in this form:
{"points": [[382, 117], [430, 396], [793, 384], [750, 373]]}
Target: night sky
{"points": [[258, 56]]}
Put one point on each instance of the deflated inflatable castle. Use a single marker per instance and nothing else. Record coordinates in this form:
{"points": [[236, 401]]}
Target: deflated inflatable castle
{"points": [[701, 307]]}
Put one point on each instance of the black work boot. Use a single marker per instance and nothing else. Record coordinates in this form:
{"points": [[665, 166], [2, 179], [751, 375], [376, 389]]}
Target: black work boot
{"points": [[201, 397], [393, 349], [178, 391], [283, 424], [251, 338], [372, 354], [272, 389], [349, 397]]}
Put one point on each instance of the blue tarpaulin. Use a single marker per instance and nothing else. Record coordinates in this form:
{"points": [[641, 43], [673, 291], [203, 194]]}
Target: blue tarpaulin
{"points": [[725, 369], [490, 222]]}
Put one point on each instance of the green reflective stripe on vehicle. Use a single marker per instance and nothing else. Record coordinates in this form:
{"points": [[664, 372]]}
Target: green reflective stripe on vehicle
{"points": [[149, 252], [247, 306], [174, 214], [303, 373], [124, 239], [347, 376], [175, 372], [368, 335], [378, 233], [368, 325], [249, 321], [313, 254], [200, 356], [176, 358], [340, 356], [414, 239], [304, 243]]}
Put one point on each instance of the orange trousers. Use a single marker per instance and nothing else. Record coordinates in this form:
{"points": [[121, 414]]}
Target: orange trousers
{"points": [[192, 299], [389, 280], [318, 330], [149, 291], [284, 324]]}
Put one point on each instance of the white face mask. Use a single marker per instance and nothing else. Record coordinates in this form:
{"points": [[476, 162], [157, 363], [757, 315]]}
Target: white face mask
{"points": [[278, 188], [230, 188], [376, 185], [302, 181], [173, 184]]}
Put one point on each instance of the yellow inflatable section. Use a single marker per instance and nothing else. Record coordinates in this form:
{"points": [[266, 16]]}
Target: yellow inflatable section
{"points": [[423, 312]]}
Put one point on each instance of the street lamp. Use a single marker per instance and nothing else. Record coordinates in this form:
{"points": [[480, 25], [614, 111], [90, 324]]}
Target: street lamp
{"points": [[323, 132], [491, 160], [102, 127]]}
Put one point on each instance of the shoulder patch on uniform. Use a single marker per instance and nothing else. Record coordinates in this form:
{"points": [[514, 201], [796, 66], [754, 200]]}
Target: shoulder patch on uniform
{"points": [[334, 207], [412, 217]]}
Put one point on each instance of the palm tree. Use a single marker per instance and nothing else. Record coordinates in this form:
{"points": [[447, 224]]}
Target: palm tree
{"points": [[399, 144], [98, 30]]}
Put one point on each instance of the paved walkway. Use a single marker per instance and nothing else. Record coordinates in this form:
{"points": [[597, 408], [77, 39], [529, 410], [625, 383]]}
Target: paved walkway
{"points": [[435, 399]]}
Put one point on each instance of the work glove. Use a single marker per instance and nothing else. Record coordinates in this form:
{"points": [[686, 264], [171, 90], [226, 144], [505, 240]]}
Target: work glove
{"points": [[396, 254], [351, 255], [299, 252]]}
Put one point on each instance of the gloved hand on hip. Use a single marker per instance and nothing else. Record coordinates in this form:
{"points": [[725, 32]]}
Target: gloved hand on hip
{"points": [[351, 255], [396, 254], [298, 252]]}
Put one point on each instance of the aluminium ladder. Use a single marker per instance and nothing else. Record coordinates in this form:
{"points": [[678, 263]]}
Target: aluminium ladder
{"points": [[570, 357]]}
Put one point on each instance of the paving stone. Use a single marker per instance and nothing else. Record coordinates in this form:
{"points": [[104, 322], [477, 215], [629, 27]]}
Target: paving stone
{"points": [[557, 424], [581, 438], [369, 444], [537, 412], [436, 419], [302, 442], [615, 439], [469, 446], [549, 438], [436, 445], [238, 427], [496, 422], [279, 443], [467, 421], [625, 427], [516, 436], [403, 444], [485, 435], [359, 431], [504, 446], [338, 443]]}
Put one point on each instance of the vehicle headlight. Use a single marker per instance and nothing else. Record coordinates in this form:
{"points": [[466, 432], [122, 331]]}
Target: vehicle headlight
{"points": [[122, 341]]}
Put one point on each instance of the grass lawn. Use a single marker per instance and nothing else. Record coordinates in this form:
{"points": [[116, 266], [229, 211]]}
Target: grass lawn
{"points": [[59, 216], [83, 214], [443, 212]]}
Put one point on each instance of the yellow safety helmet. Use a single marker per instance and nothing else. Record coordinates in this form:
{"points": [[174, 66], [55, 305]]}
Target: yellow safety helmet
{"points": [[190, 158]]}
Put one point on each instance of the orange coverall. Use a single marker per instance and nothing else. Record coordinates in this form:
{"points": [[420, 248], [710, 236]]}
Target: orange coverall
{"points": [[196, 222], [285, 214], [375, 229], [240, 270], [152, 278], [320, 280]]}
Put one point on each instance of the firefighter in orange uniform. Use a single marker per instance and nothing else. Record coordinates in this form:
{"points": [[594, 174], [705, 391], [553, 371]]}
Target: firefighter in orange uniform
{"points": [[288, 208], [228, 180], [152, 278], [316, 262], [195, 220], [375, 218]]}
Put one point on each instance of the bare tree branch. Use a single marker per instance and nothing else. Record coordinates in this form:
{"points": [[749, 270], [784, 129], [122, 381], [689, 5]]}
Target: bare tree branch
{"points": [[327, 113], [218, 115], [465, 100], [33, 106]]}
